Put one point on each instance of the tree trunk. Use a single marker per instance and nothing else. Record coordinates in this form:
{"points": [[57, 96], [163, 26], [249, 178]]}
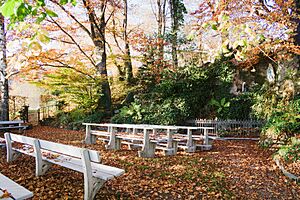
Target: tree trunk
{"points": [[3, 65], [161, 24], [98, 26], [105, 99], [127, 58], [174, 29]]}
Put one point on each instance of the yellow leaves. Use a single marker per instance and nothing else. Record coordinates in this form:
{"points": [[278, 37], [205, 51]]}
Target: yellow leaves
{"points": [[5, 194], [43, 38], [35, 47]]}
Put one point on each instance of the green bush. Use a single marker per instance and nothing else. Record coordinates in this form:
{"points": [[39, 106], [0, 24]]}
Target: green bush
{"points": [[283, 124], [73, 120], [290, 152], [169, 111]]}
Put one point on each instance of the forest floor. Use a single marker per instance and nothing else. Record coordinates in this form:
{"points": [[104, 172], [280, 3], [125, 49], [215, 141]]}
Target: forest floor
{"points": [[231, 170]]}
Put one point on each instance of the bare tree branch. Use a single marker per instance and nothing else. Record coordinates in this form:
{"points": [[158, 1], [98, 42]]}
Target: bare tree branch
{"points": [[72, 16], [66, 66], [74, 41]]}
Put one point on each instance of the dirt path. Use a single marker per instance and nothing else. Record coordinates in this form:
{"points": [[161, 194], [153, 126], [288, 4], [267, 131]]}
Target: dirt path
{"points": [[232, 170]]}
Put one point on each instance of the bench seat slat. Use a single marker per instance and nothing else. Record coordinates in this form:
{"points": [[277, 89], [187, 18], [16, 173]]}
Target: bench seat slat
{"points": [[25, 151], [10, 127], [11, 122], [67, 150], [101, 171], [100, 133], [130, 138]]}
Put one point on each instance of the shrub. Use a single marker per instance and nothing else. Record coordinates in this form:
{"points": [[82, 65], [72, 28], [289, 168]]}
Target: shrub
{"points": [[73, 120], [283, 124], [290, 152]]}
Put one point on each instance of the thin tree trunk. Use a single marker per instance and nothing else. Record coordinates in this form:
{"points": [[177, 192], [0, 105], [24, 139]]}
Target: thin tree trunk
{"points": [[99, 40], [3, 65], [174, 28], [127, 59], [161, 22]]}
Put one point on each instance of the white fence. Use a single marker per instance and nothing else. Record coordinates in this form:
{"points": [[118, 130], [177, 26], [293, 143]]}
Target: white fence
{"points": [[228, 125]]}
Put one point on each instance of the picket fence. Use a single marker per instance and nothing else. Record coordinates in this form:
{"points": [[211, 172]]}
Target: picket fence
{"points": [[227, 125]]}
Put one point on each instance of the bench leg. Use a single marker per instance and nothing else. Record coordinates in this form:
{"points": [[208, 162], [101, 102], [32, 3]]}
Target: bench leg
{"points": [[172, 151], [114, 143], [91, 184], [11, 154], [41, 167], [89, 138], [148, 151], [93, 139], [192, 148], [91, 187]]}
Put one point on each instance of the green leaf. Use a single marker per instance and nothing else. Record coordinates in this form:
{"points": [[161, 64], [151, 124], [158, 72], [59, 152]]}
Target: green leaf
{"points": [[73, 2], [225, 17], [219, 110], [40, 2], [63, 2], [8, 8], [41, 17], [51, 13], [23, 11], [214, 102], [223, 101], [227, 105], [261, 37], [34, 12], [214, 27]]}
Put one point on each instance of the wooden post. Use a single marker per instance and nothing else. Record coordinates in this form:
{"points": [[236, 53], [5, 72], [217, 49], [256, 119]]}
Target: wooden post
{"points": [[155, 133], [206, 136], [88, 136], [190, 144], [170, 139], [114, 142], [9, 151], [148, 149]]}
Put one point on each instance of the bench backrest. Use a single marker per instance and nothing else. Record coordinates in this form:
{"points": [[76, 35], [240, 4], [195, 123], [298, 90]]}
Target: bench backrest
{"points": [[11, 122], [68, 150], [20, 138], [52, 146]]}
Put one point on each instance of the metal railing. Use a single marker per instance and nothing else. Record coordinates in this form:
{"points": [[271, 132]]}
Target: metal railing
{"points": [[228, 125]]}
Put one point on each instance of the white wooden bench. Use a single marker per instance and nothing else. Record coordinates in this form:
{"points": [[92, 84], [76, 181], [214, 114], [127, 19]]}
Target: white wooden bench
{"points": [[16, 124], [79, 159], [168, 142], [131, 138], [15, 190], [2, 142]]}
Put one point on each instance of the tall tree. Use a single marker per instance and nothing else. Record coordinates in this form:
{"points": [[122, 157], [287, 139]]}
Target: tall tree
{"points": [[96, 13], [178, 10], [127, 56], [97, 34], [3, 66], [161, 25]]}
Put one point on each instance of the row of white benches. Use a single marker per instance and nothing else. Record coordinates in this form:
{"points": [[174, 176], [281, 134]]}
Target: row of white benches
{"points": [[15, 124], [167, 140], [47, 153]]}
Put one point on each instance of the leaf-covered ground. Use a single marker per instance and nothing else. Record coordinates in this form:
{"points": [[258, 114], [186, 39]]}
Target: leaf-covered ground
{"points": [[231, 170]]}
